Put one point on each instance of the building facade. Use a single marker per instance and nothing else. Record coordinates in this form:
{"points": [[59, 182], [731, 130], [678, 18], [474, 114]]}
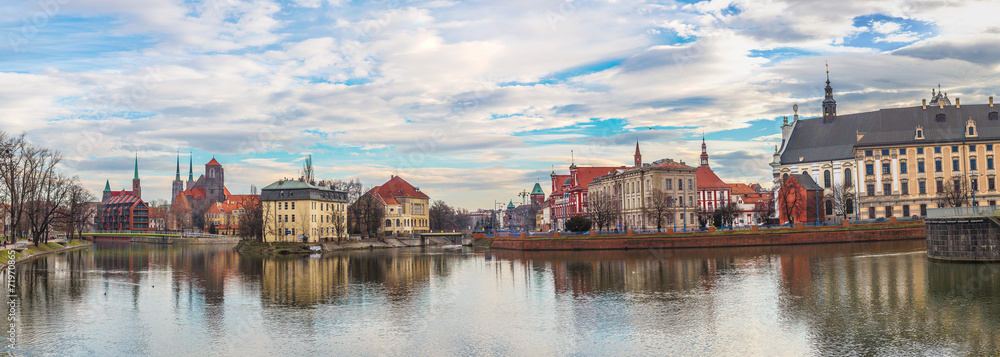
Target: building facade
{"points": [[895, 162], [123, 210], [407, 209], [298, 211], [713, 193], [632, 188]]}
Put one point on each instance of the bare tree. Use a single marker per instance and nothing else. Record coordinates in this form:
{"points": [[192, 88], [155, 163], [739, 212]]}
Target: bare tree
{"points": [[792, 201], [659, 208], [80, 209], [12, 172], [842, 198], [441, 216], [198, 209], [728, 213], [367, 214], [603, 209], [763, 211], [308, 173], [955, 193], [339, 226]]}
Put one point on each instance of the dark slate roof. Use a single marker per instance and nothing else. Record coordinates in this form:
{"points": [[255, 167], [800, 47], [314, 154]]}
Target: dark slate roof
{"points": [[811, 140], [298, 190], [807, 182], [814, 141]]}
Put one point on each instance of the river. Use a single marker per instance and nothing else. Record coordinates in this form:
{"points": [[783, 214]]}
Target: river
{"points": [[881, 298]]}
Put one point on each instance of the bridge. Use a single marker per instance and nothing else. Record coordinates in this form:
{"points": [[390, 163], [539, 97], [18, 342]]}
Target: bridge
{"points": [[162, 237], [443, 238]]}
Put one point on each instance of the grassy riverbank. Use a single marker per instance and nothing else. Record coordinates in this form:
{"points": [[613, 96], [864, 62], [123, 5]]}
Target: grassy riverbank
{"points": [[856, 227], [42, 249]]}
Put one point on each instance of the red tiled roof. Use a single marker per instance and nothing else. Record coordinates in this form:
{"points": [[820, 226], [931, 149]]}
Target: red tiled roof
{"points": [[708, 180], [223, 207], [586, 175], [741, 189], [396, 187], [754, 198], [213, 163], [676, 165]]}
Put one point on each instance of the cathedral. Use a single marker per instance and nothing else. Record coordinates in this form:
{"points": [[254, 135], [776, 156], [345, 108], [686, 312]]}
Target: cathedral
{"points": [[196, 195]]}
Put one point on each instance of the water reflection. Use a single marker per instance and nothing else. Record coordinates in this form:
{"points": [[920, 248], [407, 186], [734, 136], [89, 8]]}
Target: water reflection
{"points": [[873, 298]]}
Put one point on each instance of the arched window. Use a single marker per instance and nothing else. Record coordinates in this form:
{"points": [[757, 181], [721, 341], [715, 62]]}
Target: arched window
{"points": [[829, 207], [826, 179], [388, 223], [972, 130], [847, 177], [397, 223], [784, 177], [211, 173]]}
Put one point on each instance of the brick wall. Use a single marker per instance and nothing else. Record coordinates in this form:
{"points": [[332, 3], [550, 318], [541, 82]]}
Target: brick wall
{"points": [[965, 239], [736, 240]]}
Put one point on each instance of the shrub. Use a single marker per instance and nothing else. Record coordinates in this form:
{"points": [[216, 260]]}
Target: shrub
{"points": [[578, 224]]}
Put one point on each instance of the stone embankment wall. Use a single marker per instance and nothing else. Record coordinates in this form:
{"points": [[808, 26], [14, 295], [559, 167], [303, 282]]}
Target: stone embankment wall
{"points": [[733, 240], [971, 239]]}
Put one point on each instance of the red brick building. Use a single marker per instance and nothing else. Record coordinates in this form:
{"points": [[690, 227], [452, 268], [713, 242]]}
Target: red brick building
{"points": [[123, 210], [713, 193], [800, 198], [569, 192]]}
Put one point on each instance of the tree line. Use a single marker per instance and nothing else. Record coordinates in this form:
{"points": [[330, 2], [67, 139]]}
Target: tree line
{"points": [[36, 198]]}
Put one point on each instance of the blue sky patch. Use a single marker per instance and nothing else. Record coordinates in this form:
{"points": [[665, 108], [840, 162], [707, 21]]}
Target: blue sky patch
{"points": [[887, 33]]}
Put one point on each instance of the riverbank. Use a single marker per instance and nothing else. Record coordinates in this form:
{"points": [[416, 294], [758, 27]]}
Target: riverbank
{"points": [[44, 249], [839, 234], [314, 248]]}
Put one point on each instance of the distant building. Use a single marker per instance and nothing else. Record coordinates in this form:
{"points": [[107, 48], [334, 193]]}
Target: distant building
{"points": [[297, 211], [632, 188], [123, 210], [199, 196], [750, 201], [569, 193], [713, 193], [407, 210]]}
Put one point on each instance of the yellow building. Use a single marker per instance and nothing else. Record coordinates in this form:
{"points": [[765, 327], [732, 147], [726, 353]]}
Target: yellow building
{"points": [[297, 211], [407, 210], [896, 162]]}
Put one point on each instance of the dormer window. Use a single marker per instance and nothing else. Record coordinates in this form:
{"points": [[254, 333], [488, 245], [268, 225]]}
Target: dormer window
{"points": [[920, 133], [970, 128], [993, 115], [939, 118]]}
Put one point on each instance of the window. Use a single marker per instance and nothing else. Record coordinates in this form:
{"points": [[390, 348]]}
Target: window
{"points": [[668, 185], [286, 218], [939, 117], [293, 218], [989, 163], [972, 164], [923, 210], [885, 152], [920, 150], [868, 153], [991, 184], [993, 116], [849, 206], [902, 167], [902, 151], [954, 149], [885, 168], [972, 131], [906, 210], [871, 212], [937, 166], [690, 185], [829, 207], [847, 177], [886, 189], [282, 193], [974, 184], [922, 187], [920, 166], [958, 184], [972, 148], [920, 134], [904, 188], [989, 147], [954, 165], [293, 206], [826, 178], [940, 185], [870, 189], [888, 211], [937, 149], [286, 205], [993, 203], [869, 169]]}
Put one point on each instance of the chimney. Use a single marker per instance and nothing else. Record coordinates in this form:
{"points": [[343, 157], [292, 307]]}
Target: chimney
{"points": [[991, 101], [940, 104], [958, 103], [925, 104]]}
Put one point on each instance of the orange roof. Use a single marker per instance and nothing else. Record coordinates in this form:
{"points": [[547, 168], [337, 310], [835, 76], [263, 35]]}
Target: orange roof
{"points": [[758, 197], [586, 175], [213, 163], [741, 189], [674, 165], [708, 180], [396, 187], [223, 207]]}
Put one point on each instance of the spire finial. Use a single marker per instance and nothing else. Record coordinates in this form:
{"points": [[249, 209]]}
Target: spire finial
{"points": [[136, 176], [572, 157]]}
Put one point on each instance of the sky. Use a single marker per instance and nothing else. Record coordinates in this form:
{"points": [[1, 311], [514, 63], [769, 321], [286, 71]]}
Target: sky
{"points": [[471, 101]]}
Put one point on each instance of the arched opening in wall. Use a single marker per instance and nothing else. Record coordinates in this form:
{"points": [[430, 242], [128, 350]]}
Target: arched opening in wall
{"points": [[847, 177], [211, 173], [826, 179], [829, 207], [784, 177], [388, 223], [849, 206]]}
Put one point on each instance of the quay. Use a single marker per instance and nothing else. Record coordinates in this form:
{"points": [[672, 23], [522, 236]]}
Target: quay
{"points": [[891, 230], [967, 234]]}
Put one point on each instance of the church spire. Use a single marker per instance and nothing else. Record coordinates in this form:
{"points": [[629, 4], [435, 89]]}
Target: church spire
{"points": [[107, 185], [191, 167], [704, 152], [177, 176], [829, 104], [135, 176], [638, 156]]}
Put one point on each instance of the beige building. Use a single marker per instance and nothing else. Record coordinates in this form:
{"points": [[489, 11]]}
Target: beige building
{"points": [[297, 211], [633, 187], [407, 210], [895, 162]]}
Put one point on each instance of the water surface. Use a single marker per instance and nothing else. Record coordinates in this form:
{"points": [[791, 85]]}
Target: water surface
{"points": [[834, 299]]}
